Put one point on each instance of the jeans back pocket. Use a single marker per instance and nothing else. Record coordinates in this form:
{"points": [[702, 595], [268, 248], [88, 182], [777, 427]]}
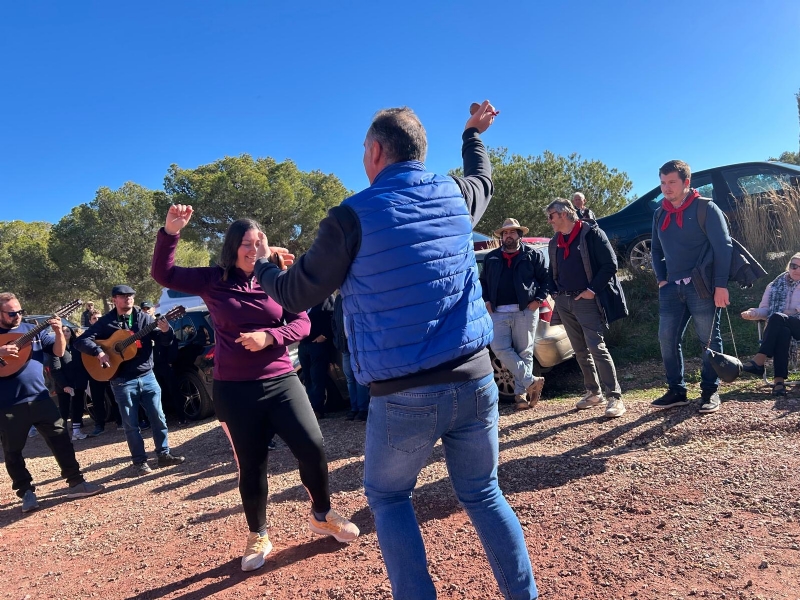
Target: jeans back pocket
{"points": [[410, 428]]}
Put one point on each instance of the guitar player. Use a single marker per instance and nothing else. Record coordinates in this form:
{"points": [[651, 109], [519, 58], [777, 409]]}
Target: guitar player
{"points": [[25, 401], [134, 383]]}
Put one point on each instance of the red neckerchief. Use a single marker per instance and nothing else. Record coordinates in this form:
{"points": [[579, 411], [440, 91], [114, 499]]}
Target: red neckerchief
{"points": [[563, 242], [667, 206], [508, 256]]}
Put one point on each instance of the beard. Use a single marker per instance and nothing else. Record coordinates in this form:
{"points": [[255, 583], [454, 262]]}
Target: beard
{"points": [[511, 245]]}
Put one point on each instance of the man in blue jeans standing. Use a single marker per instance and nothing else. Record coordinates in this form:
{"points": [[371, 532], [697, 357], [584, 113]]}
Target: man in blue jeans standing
{"points": [[514, 283], [401, 252], [680, 240], [134, 383]]}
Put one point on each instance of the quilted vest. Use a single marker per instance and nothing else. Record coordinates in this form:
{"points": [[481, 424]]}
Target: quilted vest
{"points": [[412, 296]]}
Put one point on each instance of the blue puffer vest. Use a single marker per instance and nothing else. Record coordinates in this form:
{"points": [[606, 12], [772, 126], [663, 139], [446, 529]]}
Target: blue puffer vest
{"points": [[412, 297]]}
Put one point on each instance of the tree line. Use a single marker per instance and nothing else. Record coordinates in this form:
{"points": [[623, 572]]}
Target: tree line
{"points": [[109, 240]]}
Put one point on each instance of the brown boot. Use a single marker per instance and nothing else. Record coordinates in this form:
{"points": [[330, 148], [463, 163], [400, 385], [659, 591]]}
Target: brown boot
{"points": [[535, 391]]}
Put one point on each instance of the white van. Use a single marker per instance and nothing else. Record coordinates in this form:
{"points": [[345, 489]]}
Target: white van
{"points": [[172, 298]]}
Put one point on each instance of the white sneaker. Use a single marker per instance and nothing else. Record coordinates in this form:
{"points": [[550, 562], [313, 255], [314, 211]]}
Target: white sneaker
{"points": [[615, 408], [589, 400], [77, 434], [258, 547]]}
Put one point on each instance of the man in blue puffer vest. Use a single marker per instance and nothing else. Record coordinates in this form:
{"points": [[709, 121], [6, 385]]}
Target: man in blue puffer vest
{"points": [[401, 252]]}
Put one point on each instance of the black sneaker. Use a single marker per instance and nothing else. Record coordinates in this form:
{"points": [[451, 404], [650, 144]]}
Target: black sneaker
{"points": [[142, 469], [670, 399], [752, 368], [351, 415], [272, 446], [362, 415], [710, 402], [97, 431], [168, 460]]}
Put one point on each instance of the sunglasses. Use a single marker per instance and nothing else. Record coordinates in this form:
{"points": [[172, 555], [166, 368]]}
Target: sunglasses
{"points": [[793, 266], [13, 313], [551, 216]]}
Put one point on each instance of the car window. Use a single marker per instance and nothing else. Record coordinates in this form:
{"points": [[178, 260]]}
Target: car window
{"points": [[755, 180], [177, 294]]}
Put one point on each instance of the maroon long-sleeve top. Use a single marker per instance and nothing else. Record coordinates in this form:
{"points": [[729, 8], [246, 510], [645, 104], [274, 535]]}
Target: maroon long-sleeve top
{"points": [[237, 305]]}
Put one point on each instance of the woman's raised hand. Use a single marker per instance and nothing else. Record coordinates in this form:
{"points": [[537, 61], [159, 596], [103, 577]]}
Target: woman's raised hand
{"points": [[177, 218]]}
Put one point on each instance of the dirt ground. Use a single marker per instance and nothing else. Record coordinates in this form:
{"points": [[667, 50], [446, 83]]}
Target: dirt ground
{"points": [[652, 505]]}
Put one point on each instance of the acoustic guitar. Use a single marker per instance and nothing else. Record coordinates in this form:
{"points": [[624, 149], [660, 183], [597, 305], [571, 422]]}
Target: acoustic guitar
{"points": [[122, 346], [10, 365]]}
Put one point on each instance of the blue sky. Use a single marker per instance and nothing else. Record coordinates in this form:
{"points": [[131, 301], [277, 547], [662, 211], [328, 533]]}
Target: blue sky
{"points": [[99, 93]]}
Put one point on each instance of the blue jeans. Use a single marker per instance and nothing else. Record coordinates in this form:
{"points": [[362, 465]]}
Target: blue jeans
{"points": [[130, 395], [359, 394], [514, 335], [677, 303], [402, 429]]}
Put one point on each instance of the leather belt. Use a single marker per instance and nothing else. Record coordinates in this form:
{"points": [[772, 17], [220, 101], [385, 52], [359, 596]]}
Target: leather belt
{"points": [[569, 293]]}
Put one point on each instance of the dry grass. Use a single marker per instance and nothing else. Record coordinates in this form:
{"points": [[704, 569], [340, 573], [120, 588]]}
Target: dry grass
{"points": [[768, 223]]}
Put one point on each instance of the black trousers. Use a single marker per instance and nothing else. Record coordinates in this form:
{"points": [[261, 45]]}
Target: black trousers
{"points": [[98, 389], [778, 336], [170, 392], [315, 357], [251, 413], [16, 421], [71, 407]]}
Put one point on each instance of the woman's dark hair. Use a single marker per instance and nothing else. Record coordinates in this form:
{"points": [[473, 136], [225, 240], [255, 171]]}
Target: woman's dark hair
{"points": [[73, 335], [231, 242]]}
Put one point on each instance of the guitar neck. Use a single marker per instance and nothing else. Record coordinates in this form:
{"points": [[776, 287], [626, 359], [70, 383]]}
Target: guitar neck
{"points": [[27, 338], [138, 335]]}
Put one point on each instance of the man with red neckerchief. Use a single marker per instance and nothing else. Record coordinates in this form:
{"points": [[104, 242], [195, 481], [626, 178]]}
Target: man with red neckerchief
{"points": [[679, 240], [588, 296], [514, 285]]}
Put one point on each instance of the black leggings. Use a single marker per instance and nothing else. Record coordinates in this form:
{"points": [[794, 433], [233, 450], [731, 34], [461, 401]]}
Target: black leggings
{"points": [[251, 413], [71, 407]]}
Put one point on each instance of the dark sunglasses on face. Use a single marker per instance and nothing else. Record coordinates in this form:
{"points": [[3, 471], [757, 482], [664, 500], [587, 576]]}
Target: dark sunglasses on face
{"points": [[551, 216], [13, 313], [793, 266]]}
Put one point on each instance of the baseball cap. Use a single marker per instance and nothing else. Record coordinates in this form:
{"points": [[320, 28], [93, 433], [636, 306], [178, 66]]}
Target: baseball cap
{"points": [[146, 305]]}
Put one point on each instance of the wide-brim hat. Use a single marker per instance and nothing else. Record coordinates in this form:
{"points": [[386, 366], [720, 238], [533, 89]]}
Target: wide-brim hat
{"points": [[510, 224], [122, 289]]}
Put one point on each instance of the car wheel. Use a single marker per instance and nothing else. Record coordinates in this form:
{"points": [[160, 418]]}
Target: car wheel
{"points": [[639, 256], [192, 392], [505, 380]]}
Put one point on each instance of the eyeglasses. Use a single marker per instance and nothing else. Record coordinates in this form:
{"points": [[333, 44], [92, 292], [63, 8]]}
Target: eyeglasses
{"points": [[13, 313], [552, 215], [793, 266]]}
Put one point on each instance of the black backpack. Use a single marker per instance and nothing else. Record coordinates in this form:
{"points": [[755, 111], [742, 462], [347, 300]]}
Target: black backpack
{"points": [[745, 269]]}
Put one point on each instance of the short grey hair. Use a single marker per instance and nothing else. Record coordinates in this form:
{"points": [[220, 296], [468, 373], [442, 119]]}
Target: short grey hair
{"points": [[580, 194], [7, 297], [564, 207], [400, 133]]}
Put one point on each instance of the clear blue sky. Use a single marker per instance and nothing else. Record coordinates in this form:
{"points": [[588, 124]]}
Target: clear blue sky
{"points": [[98, 93]]}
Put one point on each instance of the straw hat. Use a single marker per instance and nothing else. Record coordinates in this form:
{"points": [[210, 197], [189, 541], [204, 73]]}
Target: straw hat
{"points": [[510, 224]]}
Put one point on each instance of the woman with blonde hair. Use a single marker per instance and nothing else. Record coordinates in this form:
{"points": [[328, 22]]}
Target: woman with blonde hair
{"points": [[780, 307]]}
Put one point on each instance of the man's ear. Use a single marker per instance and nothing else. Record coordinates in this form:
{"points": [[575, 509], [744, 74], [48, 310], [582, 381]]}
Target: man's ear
{"points": [[377, 154]]}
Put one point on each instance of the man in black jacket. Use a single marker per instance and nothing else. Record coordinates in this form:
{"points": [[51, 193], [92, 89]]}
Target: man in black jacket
{"points": [[514, 282], [134, 384], [588, 297]]}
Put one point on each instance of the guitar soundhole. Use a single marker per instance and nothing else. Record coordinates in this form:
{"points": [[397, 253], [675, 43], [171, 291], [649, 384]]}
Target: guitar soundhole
{"points": [[118, 348]]}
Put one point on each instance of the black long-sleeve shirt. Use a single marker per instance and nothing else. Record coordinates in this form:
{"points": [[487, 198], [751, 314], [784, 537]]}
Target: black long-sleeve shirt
{"points": [[320, 271]]}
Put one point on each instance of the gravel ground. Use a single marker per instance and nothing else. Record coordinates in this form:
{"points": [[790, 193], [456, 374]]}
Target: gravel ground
{"points": [[653, 505]]}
